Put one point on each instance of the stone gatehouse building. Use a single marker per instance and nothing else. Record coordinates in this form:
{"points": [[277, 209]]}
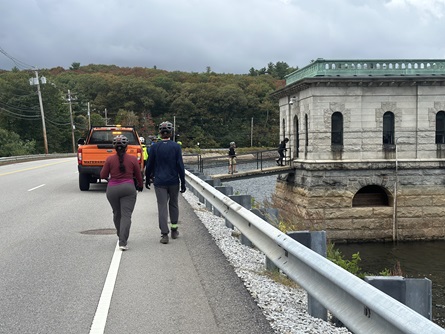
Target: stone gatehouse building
{"points": [[367, 140]]}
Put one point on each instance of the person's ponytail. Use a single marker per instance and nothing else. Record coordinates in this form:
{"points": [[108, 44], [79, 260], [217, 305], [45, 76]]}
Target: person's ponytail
{"points": [[120, 153]]}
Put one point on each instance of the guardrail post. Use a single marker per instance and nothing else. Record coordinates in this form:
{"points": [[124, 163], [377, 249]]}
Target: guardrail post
{"points": [[194, 191], [315, 240], [416, 293], [271, 216], [213, 183], [226, 190], [246, 202]]}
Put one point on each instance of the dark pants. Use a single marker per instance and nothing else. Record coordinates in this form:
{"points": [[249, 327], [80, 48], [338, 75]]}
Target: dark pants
{"points": [[122, 199], [280, 159], [167, 198]]}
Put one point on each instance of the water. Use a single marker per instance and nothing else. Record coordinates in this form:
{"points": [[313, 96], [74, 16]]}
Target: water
{"points": [[260, 188], [417, 259]]}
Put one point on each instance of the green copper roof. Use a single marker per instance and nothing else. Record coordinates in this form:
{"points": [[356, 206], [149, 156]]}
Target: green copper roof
{"points": [[365, 67]]}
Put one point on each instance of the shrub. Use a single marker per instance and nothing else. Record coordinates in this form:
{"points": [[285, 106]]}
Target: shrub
{"points": [[12, 145]]}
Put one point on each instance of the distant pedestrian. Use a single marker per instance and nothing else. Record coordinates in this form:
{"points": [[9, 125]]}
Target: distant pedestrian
{"points": [[144, 150], [166, 168], [232, 158], [281, 150], [121, 169]]}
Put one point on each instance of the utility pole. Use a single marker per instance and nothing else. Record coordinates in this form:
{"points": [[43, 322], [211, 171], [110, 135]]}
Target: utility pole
{"points": [[72, 122], [89, 116], [35, 81], [174, 128], [251, 133]]}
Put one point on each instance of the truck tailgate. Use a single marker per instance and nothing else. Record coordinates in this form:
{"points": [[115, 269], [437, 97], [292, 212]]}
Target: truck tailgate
{"points": [[95, 155], [92, 155]]}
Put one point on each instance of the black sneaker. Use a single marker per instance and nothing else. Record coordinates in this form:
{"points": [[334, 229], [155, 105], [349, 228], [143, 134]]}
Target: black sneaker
{"points": [[175, 234], [164, 239]]}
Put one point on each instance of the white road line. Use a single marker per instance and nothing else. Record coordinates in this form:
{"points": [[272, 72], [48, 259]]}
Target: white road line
{"points": [[100, 318], [36, 187]]}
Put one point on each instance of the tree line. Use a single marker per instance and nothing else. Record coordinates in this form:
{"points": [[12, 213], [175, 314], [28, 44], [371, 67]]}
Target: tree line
{"points": [[209, 109]]}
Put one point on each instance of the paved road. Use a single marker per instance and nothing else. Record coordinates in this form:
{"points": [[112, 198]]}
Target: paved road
{"points": [[52, 274]]}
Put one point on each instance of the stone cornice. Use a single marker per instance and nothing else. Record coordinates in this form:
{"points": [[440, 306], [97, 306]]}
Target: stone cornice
{"points": [[360, 81]]}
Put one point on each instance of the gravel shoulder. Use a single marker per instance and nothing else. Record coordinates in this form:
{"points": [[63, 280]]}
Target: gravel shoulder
{"points": [[283, 306]]}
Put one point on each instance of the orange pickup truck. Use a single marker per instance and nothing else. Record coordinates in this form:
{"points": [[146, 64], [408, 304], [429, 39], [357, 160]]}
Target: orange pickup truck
{"points": [[98, 145]]}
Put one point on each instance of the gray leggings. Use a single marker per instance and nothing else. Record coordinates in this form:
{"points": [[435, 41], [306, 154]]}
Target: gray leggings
{"points": [[167, 198], [122, 198]]}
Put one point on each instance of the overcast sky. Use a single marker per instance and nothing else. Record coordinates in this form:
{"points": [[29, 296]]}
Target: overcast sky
{"points": [[229, 36]]}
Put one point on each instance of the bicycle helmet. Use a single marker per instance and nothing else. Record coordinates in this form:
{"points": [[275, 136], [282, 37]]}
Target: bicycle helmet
{"points": [[142, 139], [165, 127], [120, 141]]}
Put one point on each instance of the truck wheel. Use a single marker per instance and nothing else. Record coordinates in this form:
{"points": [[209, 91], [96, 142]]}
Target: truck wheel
{"points": [[84, 181]]}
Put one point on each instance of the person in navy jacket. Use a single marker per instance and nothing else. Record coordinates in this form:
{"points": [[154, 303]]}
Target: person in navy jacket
{"points": [[165, 169]]}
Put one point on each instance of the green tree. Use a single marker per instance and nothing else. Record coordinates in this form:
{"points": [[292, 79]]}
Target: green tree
{"points": [[12, 145], [209, 108], [128, 118], [75, 66]]}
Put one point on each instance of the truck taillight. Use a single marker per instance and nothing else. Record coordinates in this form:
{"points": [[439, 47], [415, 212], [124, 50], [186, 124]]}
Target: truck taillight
{"points": [[79, 156], [139, 154]]}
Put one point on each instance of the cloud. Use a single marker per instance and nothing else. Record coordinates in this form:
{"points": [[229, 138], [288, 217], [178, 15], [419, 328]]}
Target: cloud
{"points": [[428, 9], [229, 36]]}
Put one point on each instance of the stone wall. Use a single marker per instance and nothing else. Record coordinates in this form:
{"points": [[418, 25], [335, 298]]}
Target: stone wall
{"points": [[414, 107], [324, 199]]}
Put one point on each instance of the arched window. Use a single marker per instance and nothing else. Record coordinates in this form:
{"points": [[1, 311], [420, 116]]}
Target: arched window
{"points": [[370, 196], [388, 128], [337, 128], [284, 127], [440, 127], [297, 137]]}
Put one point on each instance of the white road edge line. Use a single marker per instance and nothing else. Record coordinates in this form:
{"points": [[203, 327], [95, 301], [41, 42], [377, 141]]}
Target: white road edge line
{"points": [[100, 318], [36, 187]]}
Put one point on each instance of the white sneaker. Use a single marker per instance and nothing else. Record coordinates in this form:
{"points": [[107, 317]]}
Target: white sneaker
{"points": [[123, 248]]}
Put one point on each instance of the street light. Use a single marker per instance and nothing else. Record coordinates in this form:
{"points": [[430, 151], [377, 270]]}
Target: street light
{"points": [[35, 81]]}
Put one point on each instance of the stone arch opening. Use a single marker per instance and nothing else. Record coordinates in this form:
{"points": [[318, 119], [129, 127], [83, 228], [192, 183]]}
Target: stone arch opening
{"points": [[371, 195]]}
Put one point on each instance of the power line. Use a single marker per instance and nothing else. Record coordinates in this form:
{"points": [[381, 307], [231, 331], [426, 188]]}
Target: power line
{"points": [[28, 110], [28, 93], [58, 124], [21, 116], [18, 63]]}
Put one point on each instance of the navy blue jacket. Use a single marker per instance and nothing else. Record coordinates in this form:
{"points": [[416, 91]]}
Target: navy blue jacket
{"points": [[165, 164]]}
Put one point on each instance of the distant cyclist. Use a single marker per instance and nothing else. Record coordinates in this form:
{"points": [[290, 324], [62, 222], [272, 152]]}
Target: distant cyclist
{"points": [[232, 158], [144, 150], [281, 150]]}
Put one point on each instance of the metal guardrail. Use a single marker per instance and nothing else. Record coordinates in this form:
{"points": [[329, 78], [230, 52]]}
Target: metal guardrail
{"points": [[357, 304], [23, 158]]}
